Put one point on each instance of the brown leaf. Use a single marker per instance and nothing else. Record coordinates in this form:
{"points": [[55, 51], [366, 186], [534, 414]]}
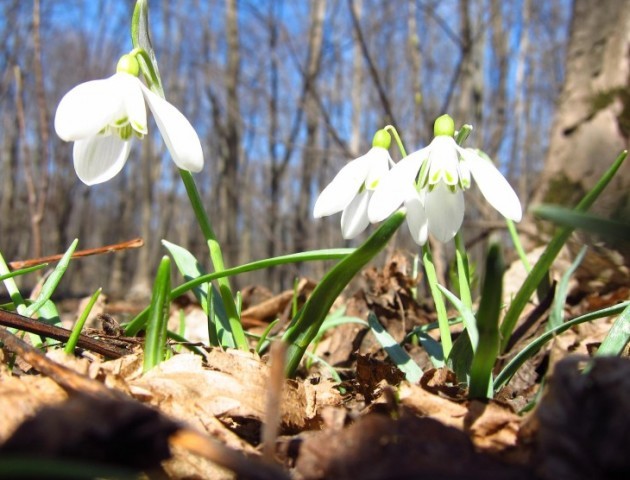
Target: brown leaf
{"points": [[377, 447], [584, 421]]}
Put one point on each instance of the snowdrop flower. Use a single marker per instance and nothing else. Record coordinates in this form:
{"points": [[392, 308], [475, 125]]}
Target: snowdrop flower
{"points": [[102, 116], [351, 189], [435, 202]]}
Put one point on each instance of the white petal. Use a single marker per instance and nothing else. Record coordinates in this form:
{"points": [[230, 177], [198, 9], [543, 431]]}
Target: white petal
{"points": [[395, 186], [417, 220], [379, 166], [179, 135], [133, 101], [87, 109], [99, 158], [354, 218], [344, 187], [445, 210], [443, 161], [494, 187]]}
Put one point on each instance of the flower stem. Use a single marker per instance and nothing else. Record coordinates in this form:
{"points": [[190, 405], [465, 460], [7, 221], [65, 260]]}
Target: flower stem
{"points": [[216, 256], [440, 307], [401, 147], [517, 245], [463, 271]]}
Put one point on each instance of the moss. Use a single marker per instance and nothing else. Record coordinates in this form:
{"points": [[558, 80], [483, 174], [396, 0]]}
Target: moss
{"points": [[603, 100], [563, 192]]}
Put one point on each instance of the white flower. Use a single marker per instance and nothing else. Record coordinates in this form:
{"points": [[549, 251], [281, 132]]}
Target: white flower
{"points": [[435, 203], [101, 116], [351, 189]]}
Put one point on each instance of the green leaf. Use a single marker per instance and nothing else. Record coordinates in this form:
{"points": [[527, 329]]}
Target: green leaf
{"points": [[556, 316], [535, 345], [51, 283], [133, 327], [487, 350], [78, 326], [22, 271], [584, 221], [191, 270], [539, 271], [141, 38], [400, 357], [617, 337], [155, 341], [308, 321]]}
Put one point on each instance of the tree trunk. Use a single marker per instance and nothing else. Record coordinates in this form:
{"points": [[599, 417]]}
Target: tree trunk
{"points": [[309, 162], [592, 123]]}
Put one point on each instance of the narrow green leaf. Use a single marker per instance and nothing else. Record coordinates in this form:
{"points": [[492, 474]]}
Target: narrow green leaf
{"points": [[141, 38], [262, 341], [535, 345], [22, 271], [539, 271], [191, 270], [556, 316], [487, 350], [438, 299], [133, 327], [617, 337], [78, 326], [51, 283], [307, 322], [433, 349], [604, 227], [399, 356], [155, 341]]}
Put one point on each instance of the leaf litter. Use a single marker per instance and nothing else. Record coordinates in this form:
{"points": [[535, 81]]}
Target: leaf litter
{"points": [[194, 417]]}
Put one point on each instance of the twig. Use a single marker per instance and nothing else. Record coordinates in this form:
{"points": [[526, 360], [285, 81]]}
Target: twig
{"points": [[274, 400], [9, 319], [226, 457], [65, 377], [134, 243]]}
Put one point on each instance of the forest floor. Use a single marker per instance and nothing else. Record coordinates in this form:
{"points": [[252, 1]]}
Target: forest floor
{"points": [[230, 414]]}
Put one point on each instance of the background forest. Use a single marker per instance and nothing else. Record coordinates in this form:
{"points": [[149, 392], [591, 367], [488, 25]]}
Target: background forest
{"points": [[282, 94]]}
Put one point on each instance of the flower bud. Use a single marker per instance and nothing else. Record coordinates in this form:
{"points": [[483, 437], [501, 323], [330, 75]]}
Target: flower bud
{"points": [[444, 125], [382, 139], [128, 64]]}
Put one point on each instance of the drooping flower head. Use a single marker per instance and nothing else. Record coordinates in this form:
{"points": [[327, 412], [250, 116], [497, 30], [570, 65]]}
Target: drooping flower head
{"points": [[102, 116], [351, 189], [431, 181]]}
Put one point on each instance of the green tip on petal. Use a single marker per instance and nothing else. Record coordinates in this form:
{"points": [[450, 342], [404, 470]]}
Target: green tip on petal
{"points": [[128, 64], [382, 139], [444, 125]]}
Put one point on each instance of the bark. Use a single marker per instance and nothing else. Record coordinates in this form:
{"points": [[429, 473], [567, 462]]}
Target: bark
{"points": [[310, 158], [592, 123], [230, 187]]}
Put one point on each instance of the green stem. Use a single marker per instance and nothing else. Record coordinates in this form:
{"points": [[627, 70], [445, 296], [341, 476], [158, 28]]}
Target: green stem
{"points": [[401, 147], [517, 245], [216, 256], [438, 298], [463, 271]]}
